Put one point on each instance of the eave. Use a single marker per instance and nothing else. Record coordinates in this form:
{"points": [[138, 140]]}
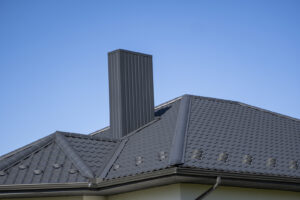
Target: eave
{"points": [[151, 179]]}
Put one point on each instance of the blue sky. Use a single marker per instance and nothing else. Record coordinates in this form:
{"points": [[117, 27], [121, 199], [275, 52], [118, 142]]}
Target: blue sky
{"points": [[53, 58]]}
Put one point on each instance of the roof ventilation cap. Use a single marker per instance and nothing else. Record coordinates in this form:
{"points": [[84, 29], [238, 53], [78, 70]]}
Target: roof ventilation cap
{"points": [[223, 157], [116, 167], [271, 162], [162, 155], [293, 164], [37, 171], [57, 166], [138, 160], [22, 167], [247, 159], [197, 154], [2, 173], [73, 171]]}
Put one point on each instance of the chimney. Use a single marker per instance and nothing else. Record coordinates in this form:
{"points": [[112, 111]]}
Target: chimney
{"points": [[131, 95]]}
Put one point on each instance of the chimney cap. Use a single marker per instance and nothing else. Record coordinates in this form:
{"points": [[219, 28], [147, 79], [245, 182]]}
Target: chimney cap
{"points": [[127, 51]]}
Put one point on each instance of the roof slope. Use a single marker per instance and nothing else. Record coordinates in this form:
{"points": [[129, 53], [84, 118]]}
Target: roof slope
{"points": [[234, 137], [148, 149], [59, 158], [190, 131]]}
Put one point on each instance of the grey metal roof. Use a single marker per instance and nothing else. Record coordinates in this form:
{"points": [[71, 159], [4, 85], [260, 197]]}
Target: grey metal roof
{"points": [[148, 149], [235, 137], [190, 131], [59, 158]]}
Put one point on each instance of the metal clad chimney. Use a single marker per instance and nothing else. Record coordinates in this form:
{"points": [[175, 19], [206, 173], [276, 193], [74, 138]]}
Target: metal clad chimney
{"points": [[131, 95]]}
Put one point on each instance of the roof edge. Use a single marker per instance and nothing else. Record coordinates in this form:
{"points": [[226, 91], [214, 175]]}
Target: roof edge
{"points": [[25, 151], [249, 106], [178, 143], [151, 179]]}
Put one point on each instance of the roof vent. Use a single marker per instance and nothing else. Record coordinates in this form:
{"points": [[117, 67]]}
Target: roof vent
{"points": [[2, 173], [73, 171], [197, 154], [22, 167], [138, 160], [57, 166], [162, 155], [116, 167], [247, 159], [37, 171], [293, 164], [131, 95], [271, 162], [223, 157]]}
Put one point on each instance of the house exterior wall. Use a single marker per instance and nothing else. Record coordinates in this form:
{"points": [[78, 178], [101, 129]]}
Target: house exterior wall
{"points": [[189, 192], [169, 192]]}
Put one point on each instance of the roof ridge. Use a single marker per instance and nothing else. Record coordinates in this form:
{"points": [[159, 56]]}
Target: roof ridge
{"points": [[269, 112], [72, 155], [178, 143], [91, 137], [168, 102], [250, 106], [11, 160], [216, 99]]}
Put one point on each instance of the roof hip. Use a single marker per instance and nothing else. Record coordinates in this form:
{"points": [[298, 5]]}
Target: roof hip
{"points": [[73, 156], [178, 143]]}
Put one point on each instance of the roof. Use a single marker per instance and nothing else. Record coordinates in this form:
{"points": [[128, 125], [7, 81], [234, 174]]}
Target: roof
{"points": [[189, 132], [58, 158]]}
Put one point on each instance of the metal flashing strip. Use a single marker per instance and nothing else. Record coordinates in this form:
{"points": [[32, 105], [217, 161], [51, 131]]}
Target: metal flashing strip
{"points": [[112, 160], [177, 148], [99, 131], [168, 103], [9, 161], [90, 137], [72, 155]]}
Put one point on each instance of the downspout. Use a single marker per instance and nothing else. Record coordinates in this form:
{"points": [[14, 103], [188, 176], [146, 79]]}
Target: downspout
{"points": [[207, 192]]}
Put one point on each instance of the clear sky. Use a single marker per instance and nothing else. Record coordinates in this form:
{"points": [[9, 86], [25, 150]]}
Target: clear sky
{"points": [[53, 57]]}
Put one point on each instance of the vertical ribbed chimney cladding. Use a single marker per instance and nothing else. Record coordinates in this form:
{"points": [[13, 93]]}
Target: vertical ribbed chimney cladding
{"points": [[131, 95]]}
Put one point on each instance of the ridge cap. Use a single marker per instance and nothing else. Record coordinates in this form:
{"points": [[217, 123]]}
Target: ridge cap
{"points": [[178, 142]]}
